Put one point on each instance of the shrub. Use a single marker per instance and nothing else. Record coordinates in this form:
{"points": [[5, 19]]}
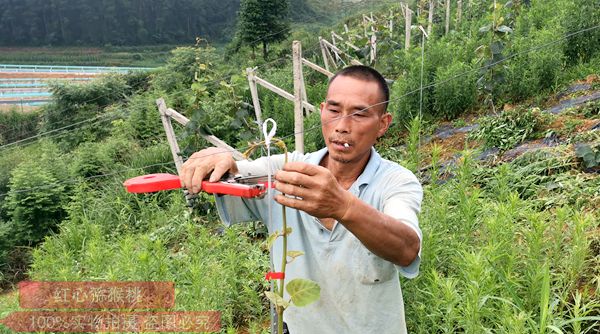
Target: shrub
{"points": [[78, 105], [454, 95], [15, 125], [533, 72], [582, 14], [34, 202]]}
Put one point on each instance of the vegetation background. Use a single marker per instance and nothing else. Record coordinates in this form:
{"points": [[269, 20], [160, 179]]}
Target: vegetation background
{"points": [[511, 245]]}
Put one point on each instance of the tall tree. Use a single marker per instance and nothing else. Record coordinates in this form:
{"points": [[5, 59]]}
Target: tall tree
{"points": [[263, 21]]}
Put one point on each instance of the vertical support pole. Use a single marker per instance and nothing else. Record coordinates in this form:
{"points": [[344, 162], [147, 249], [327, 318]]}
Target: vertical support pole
{"points": [[430, 19], [447, 16], [373, 48], [168, 126], [254, 93], [407, 25], [458, 13], [324, 53], [165, 117], [298, 108]]}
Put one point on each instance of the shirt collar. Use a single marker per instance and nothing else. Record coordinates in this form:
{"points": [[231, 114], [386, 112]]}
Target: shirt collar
{"points": [[368, 173]]}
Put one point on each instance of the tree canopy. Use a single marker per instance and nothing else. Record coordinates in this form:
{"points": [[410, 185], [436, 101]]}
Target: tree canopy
{"points": [[263, 21]]}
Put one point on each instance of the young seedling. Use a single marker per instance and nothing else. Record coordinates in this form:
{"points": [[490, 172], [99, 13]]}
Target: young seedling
{"points": [[302, 292]]}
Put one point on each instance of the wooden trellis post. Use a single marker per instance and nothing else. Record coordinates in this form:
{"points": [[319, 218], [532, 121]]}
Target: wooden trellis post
{"points": [[298, 96], [458, 13], [430, 19], [407, 26], [327, 46], [254, 93], [447, 16], [373, 44]]}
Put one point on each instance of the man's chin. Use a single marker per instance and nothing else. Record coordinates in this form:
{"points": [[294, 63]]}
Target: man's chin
{"points": [[339, 158]]}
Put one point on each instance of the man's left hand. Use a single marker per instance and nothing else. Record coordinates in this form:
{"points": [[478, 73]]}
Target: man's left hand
{"points": [[314, 189]]}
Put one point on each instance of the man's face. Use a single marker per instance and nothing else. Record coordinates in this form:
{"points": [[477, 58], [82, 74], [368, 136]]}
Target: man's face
{"points": [[350, 125]]}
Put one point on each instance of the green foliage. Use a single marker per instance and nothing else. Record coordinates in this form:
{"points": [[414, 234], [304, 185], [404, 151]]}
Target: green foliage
{"points": [[83, 106], [497, 29], [144, 123], [494, 262], [206, 267], [534, 72], [119, 22], [15, 125], [262, 22], [33, 212], [589, 154], [510, 128], [581, 15], [454, 95]]}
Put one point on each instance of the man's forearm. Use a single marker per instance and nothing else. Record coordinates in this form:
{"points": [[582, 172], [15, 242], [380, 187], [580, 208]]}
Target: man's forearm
{"points": [[383, 235]]}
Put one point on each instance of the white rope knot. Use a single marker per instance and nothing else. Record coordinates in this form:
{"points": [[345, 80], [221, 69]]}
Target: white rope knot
{"points": [[269, 134]]}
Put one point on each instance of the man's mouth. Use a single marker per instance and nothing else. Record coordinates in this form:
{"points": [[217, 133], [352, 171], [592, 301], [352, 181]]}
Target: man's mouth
{"points": [[341, 144]]}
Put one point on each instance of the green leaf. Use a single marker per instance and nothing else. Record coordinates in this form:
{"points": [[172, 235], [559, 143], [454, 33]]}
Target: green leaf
{"points": [[303, 291], [582, 150], [496, 47], [294, 254], [277, 299]]}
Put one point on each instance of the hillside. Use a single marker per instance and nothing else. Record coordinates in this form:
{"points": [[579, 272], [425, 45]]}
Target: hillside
{"points": [[498, 118]]}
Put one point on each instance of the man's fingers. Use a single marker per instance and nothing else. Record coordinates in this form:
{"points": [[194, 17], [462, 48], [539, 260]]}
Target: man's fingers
{"points": [[302, 167], [289, 202], [200, 173], [292, 190], [220, 169], [295, 178]]}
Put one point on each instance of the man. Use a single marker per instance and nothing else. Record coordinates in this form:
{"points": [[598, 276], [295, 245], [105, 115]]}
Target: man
{"points": [[352, 213]]}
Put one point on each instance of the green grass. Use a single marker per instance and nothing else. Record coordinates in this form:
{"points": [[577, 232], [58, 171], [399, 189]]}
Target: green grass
{"points": [[137, 56]]}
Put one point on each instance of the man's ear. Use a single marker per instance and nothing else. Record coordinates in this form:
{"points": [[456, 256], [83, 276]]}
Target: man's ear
{"points": [[322, 106], [385, 121]]}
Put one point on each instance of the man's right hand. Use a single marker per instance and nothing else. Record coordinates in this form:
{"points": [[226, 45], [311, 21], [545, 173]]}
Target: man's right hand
{"points": [[213, 161]]}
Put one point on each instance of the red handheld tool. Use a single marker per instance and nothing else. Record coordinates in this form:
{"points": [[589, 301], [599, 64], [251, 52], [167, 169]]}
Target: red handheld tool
{"points": [[247, 187]]}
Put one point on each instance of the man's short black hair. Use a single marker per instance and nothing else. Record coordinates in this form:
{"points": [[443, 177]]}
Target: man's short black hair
{"points": [[366, 73]]}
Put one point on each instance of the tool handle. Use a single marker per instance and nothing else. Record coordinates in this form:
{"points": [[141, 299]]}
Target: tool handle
{"points": [[163, 181]]}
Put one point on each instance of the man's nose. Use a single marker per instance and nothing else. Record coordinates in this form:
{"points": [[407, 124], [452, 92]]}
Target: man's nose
{"points": [[343, 124]]}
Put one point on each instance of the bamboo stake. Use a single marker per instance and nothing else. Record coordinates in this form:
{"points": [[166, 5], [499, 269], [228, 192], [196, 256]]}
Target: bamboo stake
{"points": [[407, 27]]}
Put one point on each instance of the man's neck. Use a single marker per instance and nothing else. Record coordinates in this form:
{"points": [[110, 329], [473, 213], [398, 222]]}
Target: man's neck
{"points": [[345, 172]]}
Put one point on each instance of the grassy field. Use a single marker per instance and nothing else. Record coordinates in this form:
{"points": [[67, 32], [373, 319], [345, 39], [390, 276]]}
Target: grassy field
{"points": [[142, 56]]}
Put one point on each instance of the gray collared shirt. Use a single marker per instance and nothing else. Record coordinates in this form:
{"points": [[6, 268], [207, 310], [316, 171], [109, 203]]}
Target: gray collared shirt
{"points": [[360, 292]]}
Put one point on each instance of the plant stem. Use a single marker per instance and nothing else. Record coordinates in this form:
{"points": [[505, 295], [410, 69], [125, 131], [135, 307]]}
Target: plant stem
{"points": [[280, 309]]}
